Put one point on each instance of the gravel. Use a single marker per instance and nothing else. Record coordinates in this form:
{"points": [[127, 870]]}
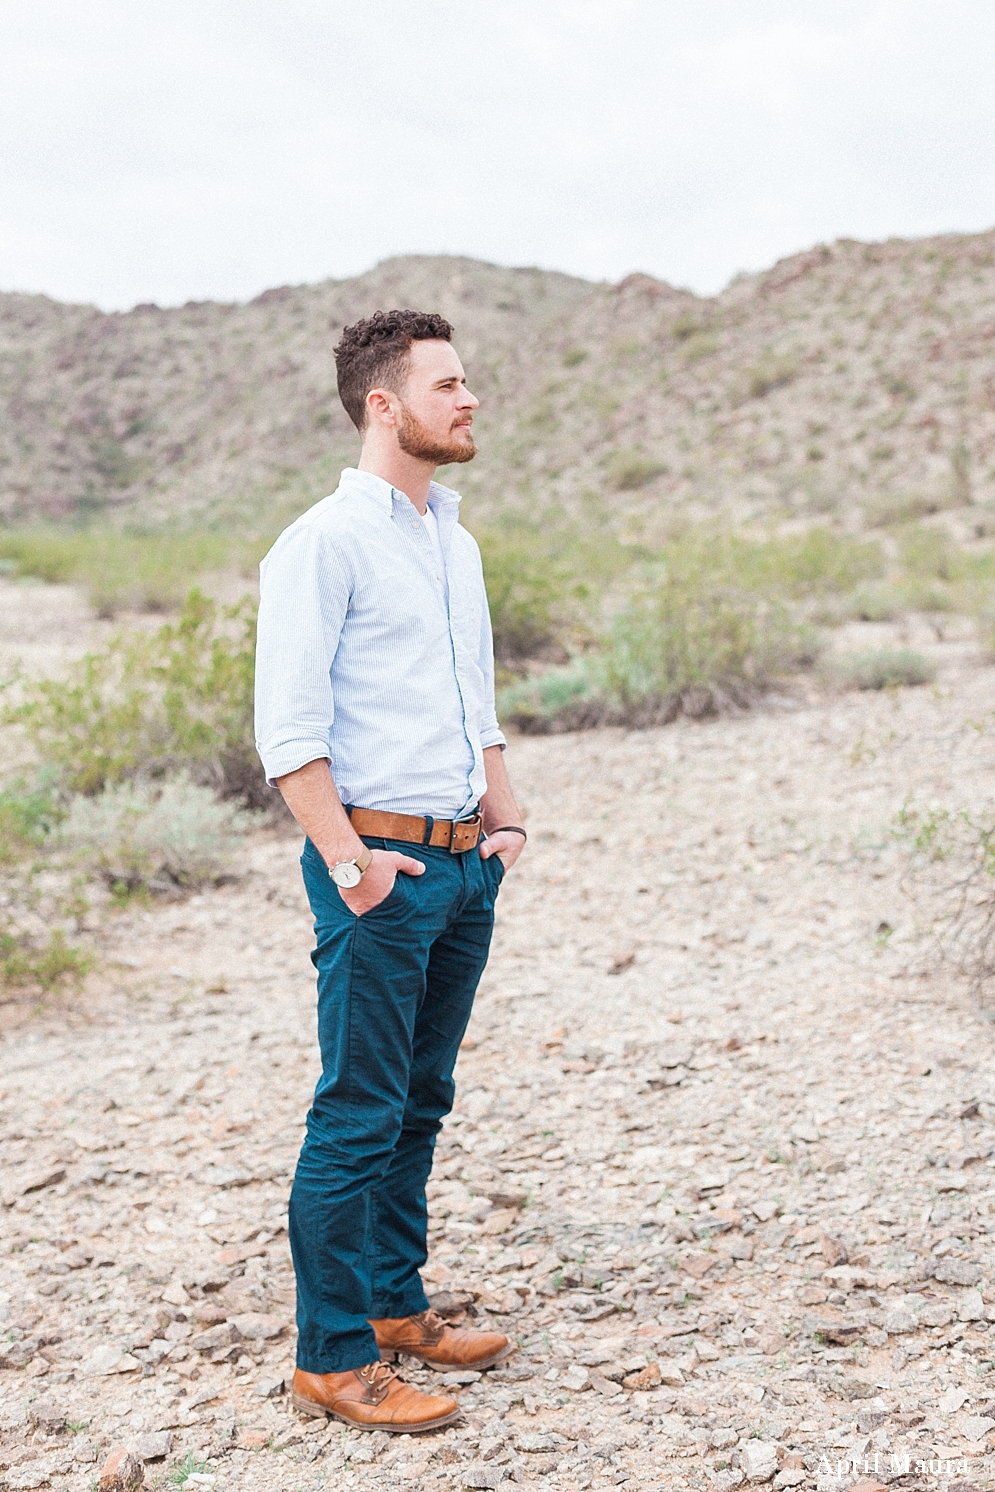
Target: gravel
{"points": [[720, 1156]]}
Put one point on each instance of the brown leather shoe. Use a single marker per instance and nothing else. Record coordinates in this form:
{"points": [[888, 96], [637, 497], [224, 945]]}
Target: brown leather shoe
{"points": [[440, 1345], [372, 1398]]}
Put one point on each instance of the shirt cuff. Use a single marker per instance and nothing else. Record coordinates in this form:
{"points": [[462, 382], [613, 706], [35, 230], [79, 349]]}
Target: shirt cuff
{"points": [[493, 736], [290, 757]]}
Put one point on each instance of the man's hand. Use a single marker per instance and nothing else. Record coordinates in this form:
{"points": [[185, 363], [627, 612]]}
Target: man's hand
{"points": [[506, 846], [378, 879]]}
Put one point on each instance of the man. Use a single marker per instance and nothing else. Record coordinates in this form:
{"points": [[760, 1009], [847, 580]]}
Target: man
{"points": [[375, 718]]}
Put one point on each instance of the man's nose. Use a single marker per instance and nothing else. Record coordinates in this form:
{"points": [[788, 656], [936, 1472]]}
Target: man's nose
{"points": [[468, 400]]}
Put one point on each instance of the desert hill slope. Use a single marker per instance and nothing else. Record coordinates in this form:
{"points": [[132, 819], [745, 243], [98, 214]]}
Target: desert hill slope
{"points": [[855, 381]]}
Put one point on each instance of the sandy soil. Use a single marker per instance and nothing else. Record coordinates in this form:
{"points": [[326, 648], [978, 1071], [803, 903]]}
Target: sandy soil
{"points": [[722, 1157]]}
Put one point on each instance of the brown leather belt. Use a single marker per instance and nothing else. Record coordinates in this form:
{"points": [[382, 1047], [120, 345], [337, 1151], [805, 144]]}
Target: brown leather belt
{"points": [[456, 837]]}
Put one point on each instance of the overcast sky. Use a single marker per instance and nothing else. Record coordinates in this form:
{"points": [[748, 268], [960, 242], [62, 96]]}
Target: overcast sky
{"points": [[169, 150]]}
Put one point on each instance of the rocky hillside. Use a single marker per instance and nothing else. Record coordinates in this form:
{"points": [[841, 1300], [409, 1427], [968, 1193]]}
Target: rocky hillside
{"points": [[855, 381]]}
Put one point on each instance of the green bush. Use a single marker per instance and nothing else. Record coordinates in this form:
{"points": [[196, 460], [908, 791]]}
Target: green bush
{"points": [[154, 705], [27, 817], [531, 588], [630, 470], [45, 964], [883, 668], [144, 837], [693, 637], [928, 554], [769, 374], [875, 603], [29, 959], [138, 572]]}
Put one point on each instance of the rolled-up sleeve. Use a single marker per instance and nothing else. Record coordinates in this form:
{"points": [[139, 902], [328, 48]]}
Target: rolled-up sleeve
{"points": [[303, 601], [490, 732]]}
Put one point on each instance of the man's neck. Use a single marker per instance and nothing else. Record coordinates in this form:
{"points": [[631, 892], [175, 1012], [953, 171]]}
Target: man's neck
{"points": [[404, 473]]}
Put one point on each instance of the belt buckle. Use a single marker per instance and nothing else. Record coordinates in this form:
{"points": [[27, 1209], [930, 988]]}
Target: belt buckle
{"points": [[465, 834]]}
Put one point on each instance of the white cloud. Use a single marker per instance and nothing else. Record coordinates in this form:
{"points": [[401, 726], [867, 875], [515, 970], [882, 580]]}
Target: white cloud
{"points": [[174, 150]]}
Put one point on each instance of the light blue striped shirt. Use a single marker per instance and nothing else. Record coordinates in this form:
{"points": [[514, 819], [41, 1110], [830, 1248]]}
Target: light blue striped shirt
{"points": [[368, 656]]}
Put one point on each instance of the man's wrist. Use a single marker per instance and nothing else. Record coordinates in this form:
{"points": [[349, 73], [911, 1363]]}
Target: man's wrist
{"points": [[337, 854], [348, 873]]}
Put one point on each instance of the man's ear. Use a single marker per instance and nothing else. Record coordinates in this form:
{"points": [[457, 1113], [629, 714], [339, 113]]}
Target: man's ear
{"points": [[379, 407]]}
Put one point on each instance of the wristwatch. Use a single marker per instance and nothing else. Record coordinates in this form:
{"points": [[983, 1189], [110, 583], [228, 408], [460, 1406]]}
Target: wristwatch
{"points": [[349, 873]]}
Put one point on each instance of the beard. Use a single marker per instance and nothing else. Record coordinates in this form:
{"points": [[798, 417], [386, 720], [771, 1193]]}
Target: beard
{"points": [[415, 439]]}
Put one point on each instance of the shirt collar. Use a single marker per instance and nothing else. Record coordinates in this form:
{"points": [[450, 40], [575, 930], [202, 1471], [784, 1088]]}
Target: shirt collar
{"points": [[383, 493]]}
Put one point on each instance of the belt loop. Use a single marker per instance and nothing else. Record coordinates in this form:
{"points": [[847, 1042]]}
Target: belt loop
{"points": [[429, 826], [348, 808]]}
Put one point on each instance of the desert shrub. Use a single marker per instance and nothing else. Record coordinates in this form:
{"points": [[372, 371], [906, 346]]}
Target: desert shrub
{"points": [[810, 564], [699, 630], [875, 603], [882, 668], [27, 817], [42, 964], [928, 554], [952, 868], [140, 572], [901, 507], [630, 470], [691, 638], [527, 592], [152, 705], [34, 951], [140, 835], [769, 374]]}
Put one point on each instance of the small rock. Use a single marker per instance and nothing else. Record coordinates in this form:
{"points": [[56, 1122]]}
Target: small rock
{"points": [[897, 1321], [971, 1307], [576, 1378], [791, 1477], [479, 1475], [82, 1450], [952, 1400], [46, 1415], [935, 1313], [499, 1221], [450, 1303], [723, 1438], [174, 1294], [121, 1472], [26, 1480], [153, 1446], [833, 1250], [645, 1378], [109, 1359], [956, 1272], [269, 1388], [36, 1181], [253, 1439], [840, 1333], [759, 1460], [254, 1326], [706, 1351], [727, 1480], [226, 1335], [534, 1443], [697, 1265], [764, 1211], [976, 1426]]}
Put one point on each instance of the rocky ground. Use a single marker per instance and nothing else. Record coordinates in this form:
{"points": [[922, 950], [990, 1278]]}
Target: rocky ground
{"points": [[721, 1162]]}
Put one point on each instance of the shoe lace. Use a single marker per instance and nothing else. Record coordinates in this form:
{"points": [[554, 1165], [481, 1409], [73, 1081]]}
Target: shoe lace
{"points": [[377, 1374], [432, 1320]]}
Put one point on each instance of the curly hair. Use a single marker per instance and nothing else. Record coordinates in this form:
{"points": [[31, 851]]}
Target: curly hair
{"points": [[374, 353]]}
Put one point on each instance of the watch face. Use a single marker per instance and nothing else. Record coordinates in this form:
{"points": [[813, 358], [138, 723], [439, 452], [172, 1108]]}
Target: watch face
{"points": [[346, 874]]}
